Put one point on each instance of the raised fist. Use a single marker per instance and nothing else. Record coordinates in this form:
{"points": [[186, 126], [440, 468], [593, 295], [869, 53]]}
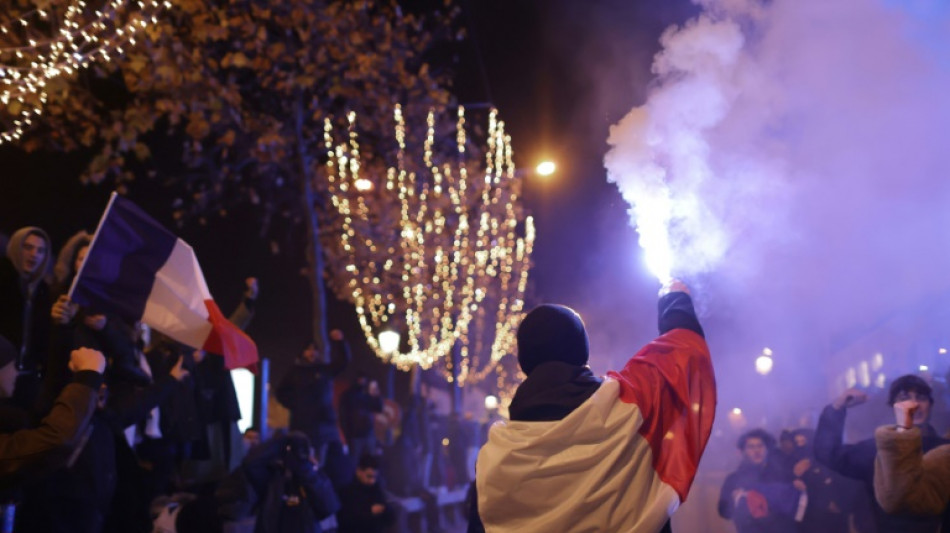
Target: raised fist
{"points": [[87, 359], [904, 413], [850, 398], [674, 285], [252, 288]]}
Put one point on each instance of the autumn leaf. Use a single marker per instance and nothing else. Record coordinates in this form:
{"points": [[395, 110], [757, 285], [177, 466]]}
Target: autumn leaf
{"points": [[228, 138]]}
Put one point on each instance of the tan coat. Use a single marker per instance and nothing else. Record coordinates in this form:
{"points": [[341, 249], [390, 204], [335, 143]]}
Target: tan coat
{"points": [[907, 480]]}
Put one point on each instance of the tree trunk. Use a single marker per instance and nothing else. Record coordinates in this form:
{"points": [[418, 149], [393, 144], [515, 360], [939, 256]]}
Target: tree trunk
{"points": [[315, 262]]}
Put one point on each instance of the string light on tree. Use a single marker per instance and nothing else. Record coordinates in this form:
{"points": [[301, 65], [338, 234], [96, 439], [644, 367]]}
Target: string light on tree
{"points": [[39, 46], [452, 269]]}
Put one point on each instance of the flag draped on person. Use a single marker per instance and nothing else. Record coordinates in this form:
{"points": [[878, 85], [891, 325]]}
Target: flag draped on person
{"points": [[140, 271], [623, 460]]}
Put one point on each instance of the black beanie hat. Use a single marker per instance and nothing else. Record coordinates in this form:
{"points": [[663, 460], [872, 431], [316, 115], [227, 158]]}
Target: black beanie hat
{"points": [[552, 333]]}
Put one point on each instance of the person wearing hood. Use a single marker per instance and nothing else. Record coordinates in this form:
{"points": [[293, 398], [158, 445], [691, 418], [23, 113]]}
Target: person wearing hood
{"points": [[75, 326], [582, 453], [307, 392], [25, 308]]}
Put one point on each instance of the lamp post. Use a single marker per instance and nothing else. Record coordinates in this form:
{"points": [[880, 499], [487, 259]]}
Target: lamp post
{"points": [[764, 363], [389, 343]]}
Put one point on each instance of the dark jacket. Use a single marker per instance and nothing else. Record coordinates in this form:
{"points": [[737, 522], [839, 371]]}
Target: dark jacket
{"points": [[307, 392], [79, 497], [27, 452], [216, 397], [357, 409], [13, 312], [25, 322], [356, 502], [287, 496], [555, 389], [770, 483], [856, 461]]}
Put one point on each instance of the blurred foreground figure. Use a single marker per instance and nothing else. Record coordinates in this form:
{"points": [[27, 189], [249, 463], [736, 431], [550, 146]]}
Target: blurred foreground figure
{"points": [[588, 454], [857, 460], [906, 479], [26, 452]]}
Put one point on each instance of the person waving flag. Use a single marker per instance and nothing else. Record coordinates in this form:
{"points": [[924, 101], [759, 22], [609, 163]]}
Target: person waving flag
{"points": [[140, 271]]}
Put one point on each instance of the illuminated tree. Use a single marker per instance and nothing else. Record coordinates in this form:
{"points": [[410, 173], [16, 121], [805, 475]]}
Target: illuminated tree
{"points": [[243, 87], [451, 269]]}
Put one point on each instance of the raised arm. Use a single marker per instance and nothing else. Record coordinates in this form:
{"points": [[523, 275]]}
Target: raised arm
{"points": [[830, 450], [672, 382], [676, 310], [241, 317], [28, 450], [907, 480], [339, 355]]}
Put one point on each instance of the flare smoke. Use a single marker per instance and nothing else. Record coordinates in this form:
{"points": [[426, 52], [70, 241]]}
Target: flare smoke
{"points": [[797, 150]]}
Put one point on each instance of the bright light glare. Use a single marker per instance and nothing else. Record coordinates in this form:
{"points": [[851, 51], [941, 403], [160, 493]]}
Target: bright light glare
{"points": [[363, 185], [388, 341], [736, 411], [763, 364], [244, 389], [653, 219], [877, 361], [491, 402], [942, 351], [924, 368], [767, 351], [546, 168]]}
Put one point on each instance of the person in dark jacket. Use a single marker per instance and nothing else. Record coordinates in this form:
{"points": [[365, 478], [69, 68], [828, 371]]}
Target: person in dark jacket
{"points": [[856, 461], [833, 500], [282, 481], [87, 327], [566, 424], [363, 504], [759, 496], [25, 453], [79, 497], [217, 404], [358, 407], [25, 308], [307, 392]]}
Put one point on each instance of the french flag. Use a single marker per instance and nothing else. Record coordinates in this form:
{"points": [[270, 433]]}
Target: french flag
{"points": [[624, 460], [140, 271]]}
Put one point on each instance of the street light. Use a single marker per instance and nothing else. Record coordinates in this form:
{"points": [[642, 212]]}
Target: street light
{"points": [[546, 168], [491, 402], [763, 364], [388, 341]]}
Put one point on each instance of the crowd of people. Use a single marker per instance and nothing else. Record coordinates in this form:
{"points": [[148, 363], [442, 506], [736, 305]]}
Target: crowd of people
{"points": [[108, 426], [811, 481]]}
